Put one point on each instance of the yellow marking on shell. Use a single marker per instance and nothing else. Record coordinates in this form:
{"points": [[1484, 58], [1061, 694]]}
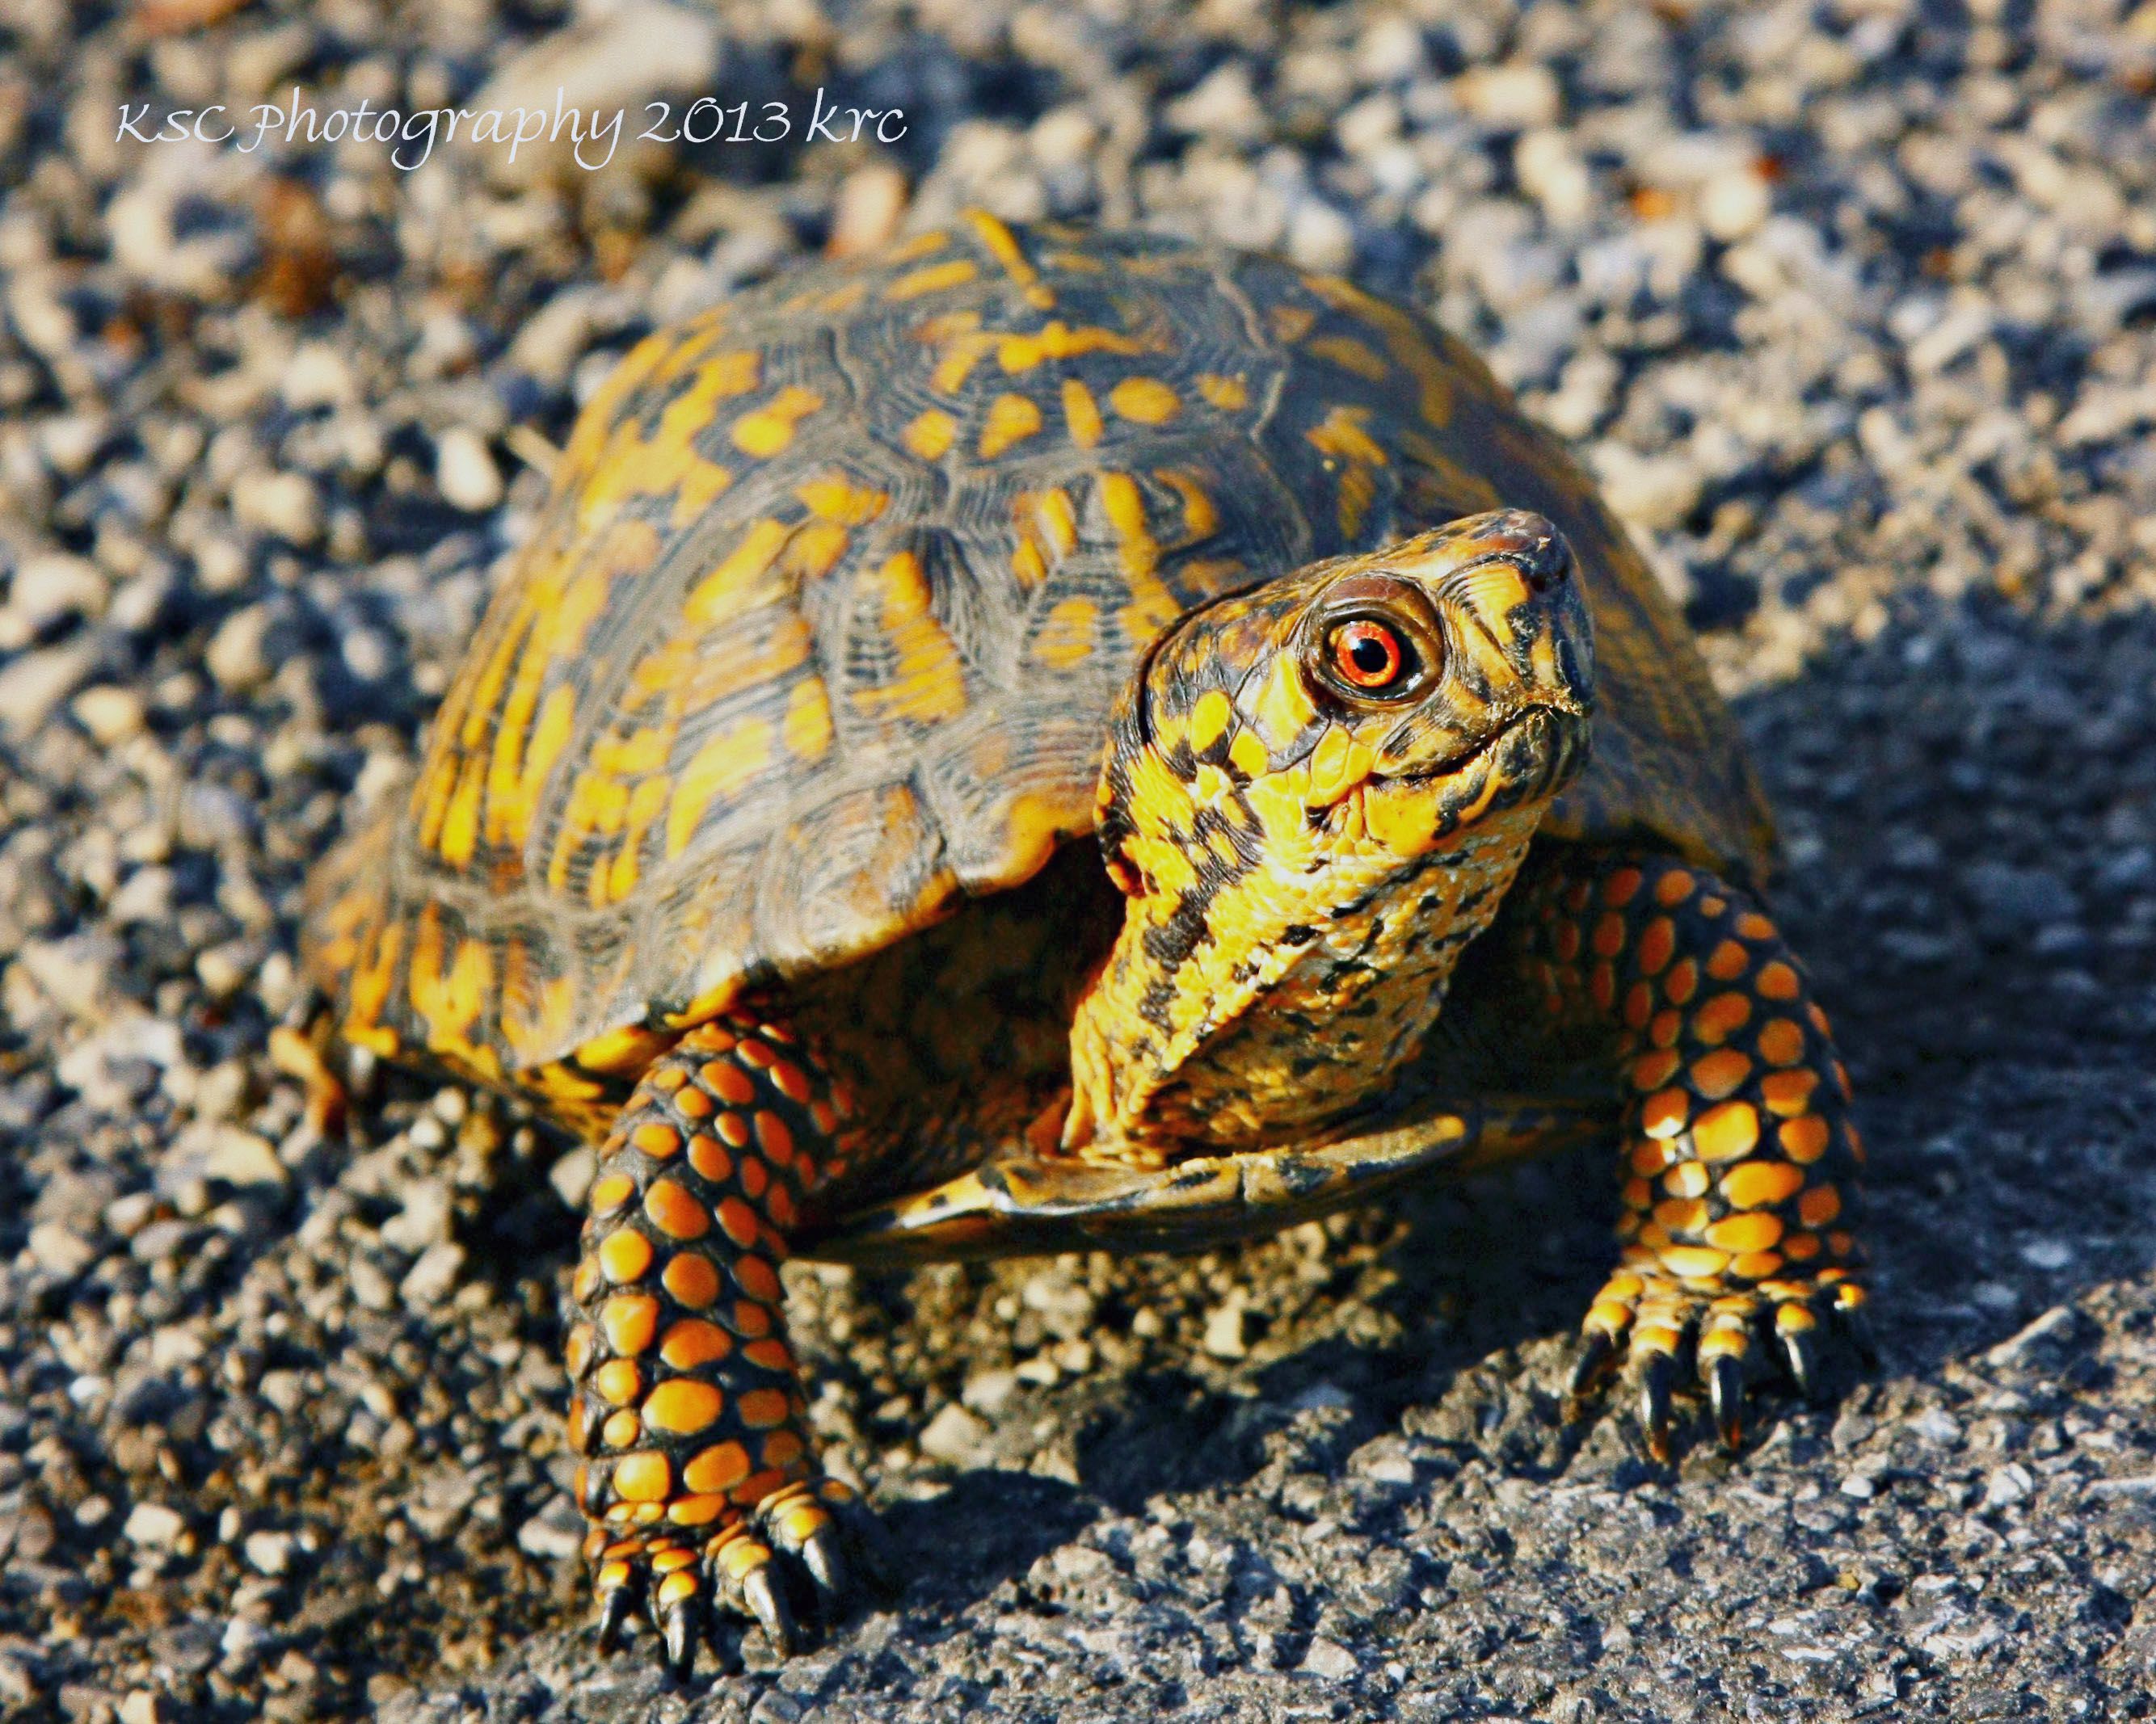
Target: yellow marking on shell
{"points": [[807, 730], [371, 981], [1289, 323], [1209, 720], [459, 831], [1228, 394], [929, 683], [451, 1001], [1032, 829], [1081, 413], [921, 245], [834, 497], [1066, 633], [1152, 607], [1343, 437], [1057, 518], [1144, 401], [1201, 519], [1350, 354], [1004, 246], [1057, 340], [719, 770], [1012, 418], [729, 588], [645, 803], [936, 277], [770, 428], [930, 433], [1436, 372], [962, 352]]}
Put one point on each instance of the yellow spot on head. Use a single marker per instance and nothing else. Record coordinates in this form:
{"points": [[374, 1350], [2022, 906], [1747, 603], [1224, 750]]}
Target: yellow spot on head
{"points": [[1209, 720]]}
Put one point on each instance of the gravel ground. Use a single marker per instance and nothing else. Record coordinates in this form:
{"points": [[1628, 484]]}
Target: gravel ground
{"points": [[1852, 306]]}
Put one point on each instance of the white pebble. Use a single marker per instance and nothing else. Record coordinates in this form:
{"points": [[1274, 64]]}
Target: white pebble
{"points": [[466, 473]]}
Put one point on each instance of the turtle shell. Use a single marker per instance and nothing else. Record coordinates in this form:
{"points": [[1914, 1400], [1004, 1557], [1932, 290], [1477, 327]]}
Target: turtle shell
{"points": [[819, 631]]}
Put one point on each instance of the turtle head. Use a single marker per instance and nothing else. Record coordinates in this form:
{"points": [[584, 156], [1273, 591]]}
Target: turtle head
{"points": [[1317, 792]]}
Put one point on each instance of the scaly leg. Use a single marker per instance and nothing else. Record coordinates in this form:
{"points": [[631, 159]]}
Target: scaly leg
{"points": [[1741, 1162], [697, 1471]]}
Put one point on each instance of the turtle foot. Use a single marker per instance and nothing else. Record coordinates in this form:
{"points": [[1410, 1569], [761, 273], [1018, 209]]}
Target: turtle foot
{"points": [[1656, 1330], [802, 1555]]}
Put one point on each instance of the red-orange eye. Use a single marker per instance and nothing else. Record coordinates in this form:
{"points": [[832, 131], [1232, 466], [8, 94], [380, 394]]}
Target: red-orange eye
{"points": [[1368, 656]]}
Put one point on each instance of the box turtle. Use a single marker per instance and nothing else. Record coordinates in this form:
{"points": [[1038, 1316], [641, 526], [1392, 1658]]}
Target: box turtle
{"points": [[745, 847]]}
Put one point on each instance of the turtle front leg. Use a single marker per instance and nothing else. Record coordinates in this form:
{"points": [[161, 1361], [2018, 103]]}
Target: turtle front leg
{"points": [[696, 1469], [1741, 1196]]}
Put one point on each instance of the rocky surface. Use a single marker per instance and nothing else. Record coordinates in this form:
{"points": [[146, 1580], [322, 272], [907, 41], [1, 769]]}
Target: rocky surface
{"points": [[1852, 304]]}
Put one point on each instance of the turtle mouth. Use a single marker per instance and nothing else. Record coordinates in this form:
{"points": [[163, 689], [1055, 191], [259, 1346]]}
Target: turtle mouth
{"points": [[1557, 733]]}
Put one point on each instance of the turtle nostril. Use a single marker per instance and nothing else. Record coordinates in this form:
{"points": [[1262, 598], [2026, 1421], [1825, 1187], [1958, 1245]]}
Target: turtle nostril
{"points": [[1546, 564]]}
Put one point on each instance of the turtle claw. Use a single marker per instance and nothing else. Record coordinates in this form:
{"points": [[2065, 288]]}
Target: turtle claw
{"points": [[685, 1624], [616, 1605], [1597, 1359], [826, 1563], [1725, 1389], [1853, 1321], [1657, 1378], [760, 1591], [1802, 1350]]}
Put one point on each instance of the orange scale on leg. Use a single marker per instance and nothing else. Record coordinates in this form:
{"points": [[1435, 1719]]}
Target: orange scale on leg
{"points": [[1657, 945], [1721, 1017], [773, 1138], [1781, 1042], [770, 1353], [1728, 962], [681, 1406], [1638, 1005], [1620, 888], [577, 1352], [823, 1115], [1711, 906], [717, 1469], [761, 1408], [1602, 985], [695, 1511], [670, 1079], [1664, 1028], [711, 1161], [1577, 896], [1664, 1113], [1778, 981], [1568, 942], [751, 1319], [1752, 926], [674, 1213], [733, 1130], [1788, 1092], [692, 1279], [1673, 888], [738, 1221], [753, 1052], [692, 1343], [1719, 1073], [1805, 1138], [729, 1082], [1800, 1247], [790, 1081], [782, 1450], [642, 1478], [617, 1382], [757, 1279], [1651, 1071], [1638, 1194], [624, 1255], [656, 1139], [610, 1193], [778, 1205], [695, 1104], [754, 1176], [1682, 983], [1818, 1206], [1609, 937], [630, 1319]]}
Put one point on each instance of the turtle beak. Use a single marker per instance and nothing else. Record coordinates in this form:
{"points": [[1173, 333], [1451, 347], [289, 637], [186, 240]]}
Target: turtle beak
{"points": [[1508, 586]]}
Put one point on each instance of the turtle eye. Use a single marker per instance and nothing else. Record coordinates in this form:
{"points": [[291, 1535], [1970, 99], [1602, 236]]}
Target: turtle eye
{"points": [[1370, 657]]}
